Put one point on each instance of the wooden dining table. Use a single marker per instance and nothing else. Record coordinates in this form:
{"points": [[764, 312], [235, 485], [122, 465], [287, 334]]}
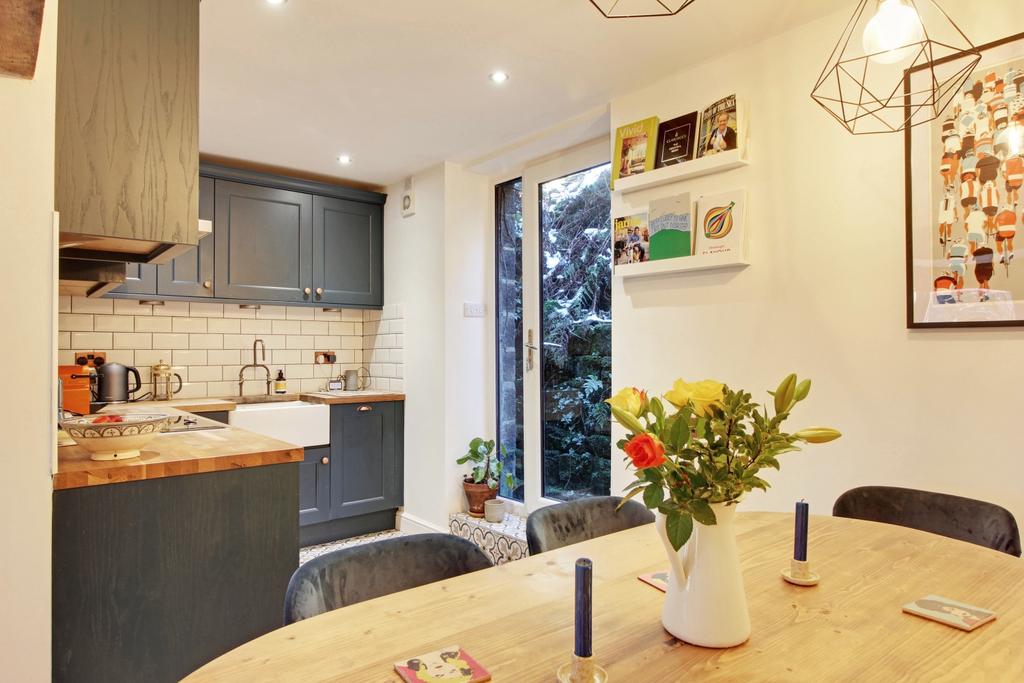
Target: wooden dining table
{"points": [[517, 619]]}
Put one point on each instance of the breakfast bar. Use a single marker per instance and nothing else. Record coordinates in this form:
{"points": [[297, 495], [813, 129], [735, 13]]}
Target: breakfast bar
{"points": [[207, 518]]}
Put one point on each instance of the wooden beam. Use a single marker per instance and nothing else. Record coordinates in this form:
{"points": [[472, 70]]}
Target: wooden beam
{"points": [[21, 22]]}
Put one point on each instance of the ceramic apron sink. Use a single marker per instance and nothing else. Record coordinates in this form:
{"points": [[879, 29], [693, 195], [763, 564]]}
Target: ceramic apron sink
{"points": [[295, 422]]}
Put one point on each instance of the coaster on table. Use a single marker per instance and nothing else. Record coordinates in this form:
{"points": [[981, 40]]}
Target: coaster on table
{"points": [[447, 664], [950, 612], [658, 580]]}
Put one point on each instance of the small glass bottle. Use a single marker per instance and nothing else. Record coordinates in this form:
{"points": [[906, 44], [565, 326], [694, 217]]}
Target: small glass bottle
{"points": [[280, 384]]}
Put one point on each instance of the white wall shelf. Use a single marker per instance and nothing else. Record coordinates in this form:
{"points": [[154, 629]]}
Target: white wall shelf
{"points": [[716, 163], [682, 264]]}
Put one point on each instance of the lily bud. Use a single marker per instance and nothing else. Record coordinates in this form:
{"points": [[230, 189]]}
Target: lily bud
{"points": [[784, 394], [817, 434], [802, 390]]}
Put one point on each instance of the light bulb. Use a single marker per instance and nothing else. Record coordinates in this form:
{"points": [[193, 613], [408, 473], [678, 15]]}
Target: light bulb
{"points": [[888, 34]]}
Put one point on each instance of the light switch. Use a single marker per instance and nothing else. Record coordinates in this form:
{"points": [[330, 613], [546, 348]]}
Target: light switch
{"points": [[473, 309]]}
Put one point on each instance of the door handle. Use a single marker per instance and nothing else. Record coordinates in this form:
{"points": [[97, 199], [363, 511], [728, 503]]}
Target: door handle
{"points": [[530, 348], [324, 460], [307, 291], [207, 284], [364, 409], [319, 291]]}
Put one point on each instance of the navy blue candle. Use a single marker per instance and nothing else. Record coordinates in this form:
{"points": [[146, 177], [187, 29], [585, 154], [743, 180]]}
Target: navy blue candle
{"points": [[584, 607], [800, 537]]}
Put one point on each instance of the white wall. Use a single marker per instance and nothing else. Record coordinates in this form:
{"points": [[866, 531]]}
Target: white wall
{"points": [[27, 345], [825, 294]]}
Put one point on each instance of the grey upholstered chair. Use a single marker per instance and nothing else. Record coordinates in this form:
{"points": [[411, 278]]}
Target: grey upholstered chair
{"points": [[560, 525], [964, 519], [350, 575]]}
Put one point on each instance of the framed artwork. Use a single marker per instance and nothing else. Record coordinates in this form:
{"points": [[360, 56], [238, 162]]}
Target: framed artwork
{"points": [[964, 175]]}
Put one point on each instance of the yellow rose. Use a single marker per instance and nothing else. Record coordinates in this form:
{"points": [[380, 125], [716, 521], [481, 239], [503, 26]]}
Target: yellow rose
{"points": [[703, 395], [630, 400]]}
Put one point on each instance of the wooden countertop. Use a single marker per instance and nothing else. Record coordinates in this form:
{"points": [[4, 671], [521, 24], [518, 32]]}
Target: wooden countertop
{"points": [[210, 405], [190, 405], [174, 454], [348, 397], [517, 619]]}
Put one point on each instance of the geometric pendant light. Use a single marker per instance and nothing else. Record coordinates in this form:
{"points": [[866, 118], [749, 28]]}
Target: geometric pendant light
{"points": [[631, 9], [899, 63]]}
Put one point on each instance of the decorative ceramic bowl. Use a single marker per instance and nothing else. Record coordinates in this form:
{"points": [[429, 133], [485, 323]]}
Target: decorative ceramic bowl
{"points": [[114, 436]]}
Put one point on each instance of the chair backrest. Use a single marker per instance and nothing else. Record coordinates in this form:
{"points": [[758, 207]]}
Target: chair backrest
{"points": [[350, 575], [964, 519], [560, 525]]}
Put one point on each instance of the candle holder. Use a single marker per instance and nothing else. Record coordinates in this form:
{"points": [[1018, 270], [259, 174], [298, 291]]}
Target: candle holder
{"points": [[582, 670], [799, 574]]}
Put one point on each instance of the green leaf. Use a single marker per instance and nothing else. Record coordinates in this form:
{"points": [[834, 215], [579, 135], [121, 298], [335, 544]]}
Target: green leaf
{"points": [[475, 444], [464, 459], [678, 526], [702, 512], [626, 497], [627, 420], [680, 435], [653, 495]]}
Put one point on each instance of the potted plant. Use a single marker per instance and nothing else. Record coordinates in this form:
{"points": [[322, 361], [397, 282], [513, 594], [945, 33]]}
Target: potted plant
{"points": [[482, 482], [694, 459]]}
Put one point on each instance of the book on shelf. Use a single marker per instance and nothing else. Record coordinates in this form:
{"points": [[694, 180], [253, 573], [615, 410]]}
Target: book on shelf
{"points": [[719, 128], [671, 227], [720, 223], [676, 140], [635, 147]]}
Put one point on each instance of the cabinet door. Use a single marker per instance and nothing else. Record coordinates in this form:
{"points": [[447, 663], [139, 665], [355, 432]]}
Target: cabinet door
{"points": [[366, 469], [263, 243], [348, 258], [315, 486], [139, 278], [191, 274]]}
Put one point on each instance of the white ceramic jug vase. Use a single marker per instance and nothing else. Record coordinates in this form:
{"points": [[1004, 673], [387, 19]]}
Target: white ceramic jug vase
{"points": [[706, 603]]}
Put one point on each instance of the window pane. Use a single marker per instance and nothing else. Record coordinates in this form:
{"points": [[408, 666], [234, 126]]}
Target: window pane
{"points": [[508, 202], [576, 255]]}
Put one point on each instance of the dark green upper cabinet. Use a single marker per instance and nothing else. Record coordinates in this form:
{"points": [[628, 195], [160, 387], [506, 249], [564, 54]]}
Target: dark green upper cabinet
{"points": [[139, 278], [348, 255], [191, 274], [263, 243]]}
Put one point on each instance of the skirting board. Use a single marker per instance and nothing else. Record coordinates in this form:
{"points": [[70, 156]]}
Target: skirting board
{"points": [[411, 524]]}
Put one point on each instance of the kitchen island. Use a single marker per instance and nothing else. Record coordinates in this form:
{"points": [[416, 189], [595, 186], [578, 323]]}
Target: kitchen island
{"points": [[163, 562]]}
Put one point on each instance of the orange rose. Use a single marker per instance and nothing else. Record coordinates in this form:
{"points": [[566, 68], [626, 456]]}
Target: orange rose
{"points": [[645, 451]]}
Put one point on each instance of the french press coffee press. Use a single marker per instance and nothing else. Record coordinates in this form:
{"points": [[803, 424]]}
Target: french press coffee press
{"points": [[163, 381]]}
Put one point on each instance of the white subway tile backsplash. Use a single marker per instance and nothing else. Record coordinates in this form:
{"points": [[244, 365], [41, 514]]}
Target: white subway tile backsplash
{"points": [[133, 340], [203, 310], [91, 341], [287, 327], [153, 324], [224, 325], [75, 322], [171, 309], [114, 323], [188, 325], [208, 343], [170, 341], [189, 357]]}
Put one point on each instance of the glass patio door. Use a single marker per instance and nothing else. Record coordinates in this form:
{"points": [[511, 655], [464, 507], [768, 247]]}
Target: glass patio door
{"points": [[564, 332]]}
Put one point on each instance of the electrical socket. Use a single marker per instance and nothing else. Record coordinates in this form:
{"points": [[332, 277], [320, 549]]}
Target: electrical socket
{"points": [[473, 309], [325, 358]]}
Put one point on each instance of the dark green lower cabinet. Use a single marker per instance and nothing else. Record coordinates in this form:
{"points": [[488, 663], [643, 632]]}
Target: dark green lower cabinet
{"points": [[359, 488], [315, 485], [153, 579]]}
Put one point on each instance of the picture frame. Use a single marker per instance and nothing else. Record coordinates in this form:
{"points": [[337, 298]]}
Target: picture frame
{"points": [[963, 196]]}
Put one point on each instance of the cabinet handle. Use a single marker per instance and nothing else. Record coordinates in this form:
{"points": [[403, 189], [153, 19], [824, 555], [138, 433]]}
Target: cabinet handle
{"points": [[364, 409], [324, 460], [319, 291], [307, 291], [207, 284]]}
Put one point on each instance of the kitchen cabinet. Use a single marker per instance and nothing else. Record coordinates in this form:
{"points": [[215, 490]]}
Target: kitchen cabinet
{"points": [[263, 243], [139, 278], [191, 274], [127, 128], [152, 579], [366, 472], [315, 485], [348, 254]]}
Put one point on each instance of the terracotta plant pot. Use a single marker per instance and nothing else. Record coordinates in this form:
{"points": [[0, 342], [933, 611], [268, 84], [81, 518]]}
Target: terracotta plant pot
{"points": [[476, 494]]}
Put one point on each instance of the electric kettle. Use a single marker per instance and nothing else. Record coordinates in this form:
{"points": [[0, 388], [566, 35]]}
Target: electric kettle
{"points": [[112, 383]]}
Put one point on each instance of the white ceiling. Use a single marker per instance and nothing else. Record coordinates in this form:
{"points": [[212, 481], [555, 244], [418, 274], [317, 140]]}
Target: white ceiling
{"points": [[401, 85]]}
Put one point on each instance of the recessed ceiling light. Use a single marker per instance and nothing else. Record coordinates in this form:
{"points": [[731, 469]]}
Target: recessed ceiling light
{"points": [[499, 77], [276, 2], [344, 159]]}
